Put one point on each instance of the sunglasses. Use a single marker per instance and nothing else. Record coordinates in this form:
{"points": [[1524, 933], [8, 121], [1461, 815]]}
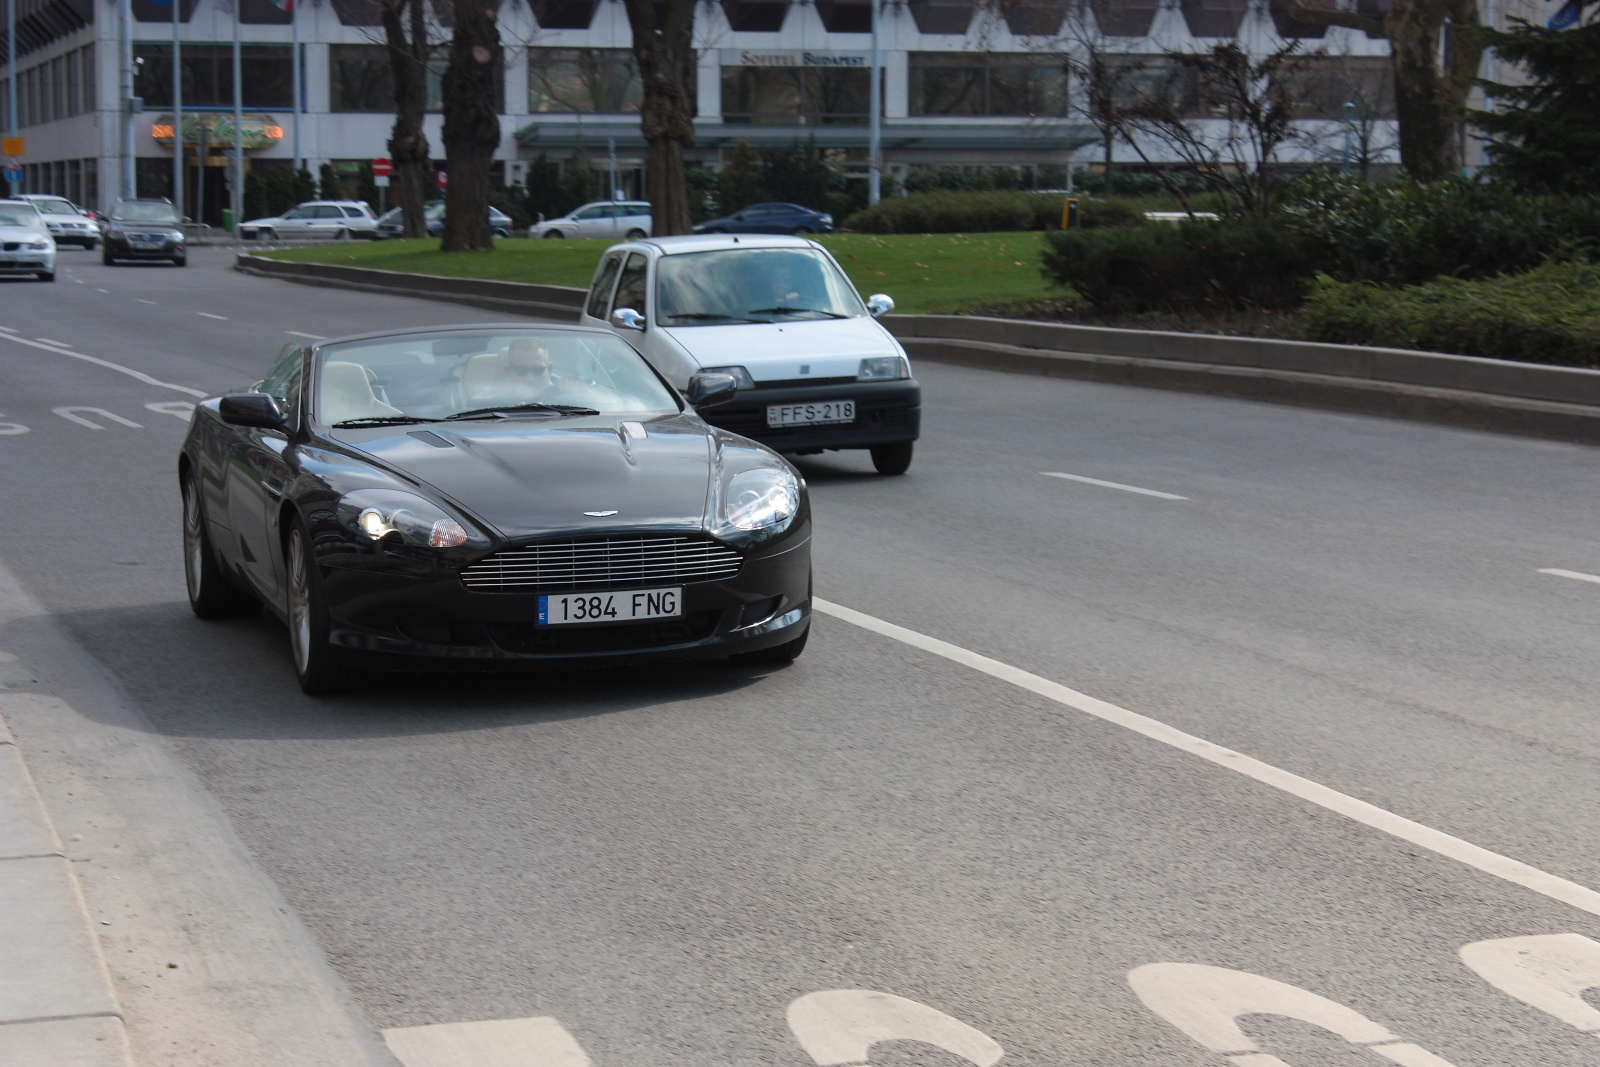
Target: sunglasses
{"points": [[529, 370]]}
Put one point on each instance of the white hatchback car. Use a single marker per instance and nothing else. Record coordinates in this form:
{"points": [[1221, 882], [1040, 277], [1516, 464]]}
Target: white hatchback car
{"points": [[326, 219], [65, 220], [26, 246], [629, 219], [814, 368]]}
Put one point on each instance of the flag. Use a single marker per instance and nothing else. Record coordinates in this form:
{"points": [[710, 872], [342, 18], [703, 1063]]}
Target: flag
{"points": [[1566, 16]]}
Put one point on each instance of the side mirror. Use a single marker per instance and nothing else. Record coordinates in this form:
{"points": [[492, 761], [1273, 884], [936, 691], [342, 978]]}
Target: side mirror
{"points": [[252, 409], [627, 319], [880, 304], [706, 390]]}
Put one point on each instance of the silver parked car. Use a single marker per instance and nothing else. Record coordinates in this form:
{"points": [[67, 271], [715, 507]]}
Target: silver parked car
{"points": [[629, 219], [327, 219], [26, 246], [66, 221]]}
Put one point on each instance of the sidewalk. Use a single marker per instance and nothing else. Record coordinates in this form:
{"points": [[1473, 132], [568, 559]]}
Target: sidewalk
{"points": [[57, 1007]]}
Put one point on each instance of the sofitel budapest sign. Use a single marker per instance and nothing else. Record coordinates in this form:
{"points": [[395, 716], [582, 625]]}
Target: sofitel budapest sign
{"points": [[739, 57]]}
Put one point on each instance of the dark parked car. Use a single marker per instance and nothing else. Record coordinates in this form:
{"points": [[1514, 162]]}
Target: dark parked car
{"points": [[770, 218], [144, 229], [391, 225], [491, 495]]}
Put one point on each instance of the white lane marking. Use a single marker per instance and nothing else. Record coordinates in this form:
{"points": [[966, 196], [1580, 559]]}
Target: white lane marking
{"points": [[1514, 871], [1112, 485], [1578, 575], [1204, 1001], [66, 412], [78, 280], [142, 300], [178, 409], [307, 336], [536, 1042], [1545, 971], [141, 375], [837, 1027], [100, 290], [208, 315], [8, 329], [12, 429], [62, 344]]}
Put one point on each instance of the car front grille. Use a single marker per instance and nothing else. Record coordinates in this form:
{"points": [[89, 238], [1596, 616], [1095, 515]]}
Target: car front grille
{"points": [[603, 563], [12, 246]]}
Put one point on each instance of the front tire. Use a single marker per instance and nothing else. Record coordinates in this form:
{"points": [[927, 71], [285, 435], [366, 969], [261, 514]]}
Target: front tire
{"points": [[318, 666], [46, 276], [88, 246], [210, 595], [802, 231], [636, 234], [892, 459], [342, 235], [180, 261], [553, 235], [267, 234], [105, 257]]}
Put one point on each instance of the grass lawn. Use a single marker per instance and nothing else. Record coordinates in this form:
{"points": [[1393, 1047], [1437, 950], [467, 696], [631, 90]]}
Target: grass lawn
{"points": [[937, 272]]}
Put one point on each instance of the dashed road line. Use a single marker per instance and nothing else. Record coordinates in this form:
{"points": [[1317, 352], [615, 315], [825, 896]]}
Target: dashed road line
{"points": [[208, 315], [47, 341], [1575, 575], [119, 368], [1113, 485], [142, 300], [1437, 841], [100, 290], [307, 336]]}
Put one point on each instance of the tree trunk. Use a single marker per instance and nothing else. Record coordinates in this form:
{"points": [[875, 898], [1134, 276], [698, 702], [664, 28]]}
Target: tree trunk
{"points": [[408, 145], [471, 126], [664, 52]]}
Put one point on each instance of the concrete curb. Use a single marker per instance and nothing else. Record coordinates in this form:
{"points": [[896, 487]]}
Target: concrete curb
{"points": [[546, 301], [57, 1005]]}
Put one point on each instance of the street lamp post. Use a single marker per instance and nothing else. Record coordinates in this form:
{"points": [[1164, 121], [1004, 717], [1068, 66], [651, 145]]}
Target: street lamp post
{"points": [[11, 77], [126, 100], [874, 125], [177, 112], [238, 127], [1349, 117]]}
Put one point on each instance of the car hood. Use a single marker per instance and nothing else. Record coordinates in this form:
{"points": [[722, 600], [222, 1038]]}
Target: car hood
{"points": [[21, 233], [827, 348], [528, 478]]}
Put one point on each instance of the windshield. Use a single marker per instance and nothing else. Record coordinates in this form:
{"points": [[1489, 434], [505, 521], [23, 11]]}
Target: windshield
{"points": [[135, 212], [532, 373], [20, 215], [55, 207], [752, 285]]}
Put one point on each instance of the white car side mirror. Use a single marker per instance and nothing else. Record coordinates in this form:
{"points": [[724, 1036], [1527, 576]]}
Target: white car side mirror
{"points": [[880, 304], [627, 319]]}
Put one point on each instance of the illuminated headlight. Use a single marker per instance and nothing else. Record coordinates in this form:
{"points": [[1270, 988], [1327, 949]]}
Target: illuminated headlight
{"points": [[883, 368], [739, 373], [762, 499], [176, 235], [402, 518]]}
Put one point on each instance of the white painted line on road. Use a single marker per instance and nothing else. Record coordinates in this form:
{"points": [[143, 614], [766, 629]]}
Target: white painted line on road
{"points": [[1112, 485], [66, 412], [78, 280], [46, 340], [536, 1042], [100, 290], [119, 368], [1550, 972], [208, 315], [8, 329], [1514, 871], [838, 1027], [142, 300], [307, 336], [1577, 575]]}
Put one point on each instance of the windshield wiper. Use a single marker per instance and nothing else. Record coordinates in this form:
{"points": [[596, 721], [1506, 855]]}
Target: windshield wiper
{"points": [[710, 316], [381, 420], [781, 310], [499, 411]]}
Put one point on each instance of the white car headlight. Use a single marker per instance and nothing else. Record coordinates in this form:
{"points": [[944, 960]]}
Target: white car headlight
{"points": [[882, 368], [403, 518], [762, 499], [176, 235], [40, 246]]}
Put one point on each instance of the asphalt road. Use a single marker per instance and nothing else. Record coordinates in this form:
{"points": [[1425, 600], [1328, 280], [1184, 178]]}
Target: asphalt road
{"points": [[664, 862]]}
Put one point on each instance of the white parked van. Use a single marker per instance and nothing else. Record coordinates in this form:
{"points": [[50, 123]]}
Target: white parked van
{"points": [[814, 368]]}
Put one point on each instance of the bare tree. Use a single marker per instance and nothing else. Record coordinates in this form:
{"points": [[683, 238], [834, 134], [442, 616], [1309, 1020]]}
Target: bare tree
{"points": [[663, 48], [472, 85], [406, 34], [1350, 80], [1435, 57]]}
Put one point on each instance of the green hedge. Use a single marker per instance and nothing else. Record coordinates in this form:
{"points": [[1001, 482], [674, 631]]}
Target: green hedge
{"points": [[1193, 266], [1548, 315], [985, 212]]}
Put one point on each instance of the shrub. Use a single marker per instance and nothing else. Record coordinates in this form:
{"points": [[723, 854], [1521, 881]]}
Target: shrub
{"points": [[985, 212], [1547, 315], [1194, 266]]}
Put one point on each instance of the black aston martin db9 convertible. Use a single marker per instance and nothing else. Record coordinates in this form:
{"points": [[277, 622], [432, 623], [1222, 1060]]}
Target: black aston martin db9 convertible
{"points": [[491, 495]]}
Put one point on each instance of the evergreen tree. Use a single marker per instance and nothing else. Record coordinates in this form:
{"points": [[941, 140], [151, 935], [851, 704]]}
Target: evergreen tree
{"points": [[1545, 137], [744, 178]]}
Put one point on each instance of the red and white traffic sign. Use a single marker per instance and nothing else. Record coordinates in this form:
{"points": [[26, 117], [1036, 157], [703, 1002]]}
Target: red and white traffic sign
{"points": [[443, 179], [382, 168]]}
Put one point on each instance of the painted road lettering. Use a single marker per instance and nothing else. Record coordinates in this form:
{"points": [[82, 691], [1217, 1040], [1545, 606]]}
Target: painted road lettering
{"points": [[838, 1027], [68, 412], [534, 1042], [1550, 972], [12, 429], [178, 409]]}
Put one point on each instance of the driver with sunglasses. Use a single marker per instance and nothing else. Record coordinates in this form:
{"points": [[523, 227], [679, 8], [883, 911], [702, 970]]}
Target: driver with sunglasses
{"points": [[532, 375]]}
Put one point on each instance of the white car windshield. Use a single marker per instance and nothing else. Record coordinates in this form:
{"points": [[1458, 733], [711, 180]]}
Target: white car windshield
{"points": [[532, 373], [135, 212], [752, 285], [17, 215], [55, 207]]}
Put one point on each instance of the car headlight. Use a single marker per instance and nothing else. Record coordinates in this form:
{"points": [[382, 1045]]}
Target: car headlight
{"points": [[403, 518], [882, 368], [762, 499], [39, 246], [175, 235], [739, 373]]}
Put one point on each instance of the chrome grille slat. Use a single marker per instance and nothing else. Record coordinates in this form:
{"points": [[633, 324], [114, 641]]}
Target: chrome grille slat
{"points": [[602, 562]]}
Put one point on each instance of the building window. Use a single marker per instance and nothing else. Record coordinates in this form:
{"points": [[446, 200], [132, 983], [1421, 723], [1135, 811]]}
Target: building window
{"points": [[361, 79], [1145, 80], [208, 75], [960, 83], [1319, 86], [803, 96], [583, 80]]}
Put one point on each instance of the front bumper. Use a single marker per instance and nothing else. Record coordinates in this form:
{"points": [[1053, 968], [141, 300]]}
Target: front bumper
{"points": [[117, 246], [886, 413], [396, 622], [75, 236], [27, 261]]}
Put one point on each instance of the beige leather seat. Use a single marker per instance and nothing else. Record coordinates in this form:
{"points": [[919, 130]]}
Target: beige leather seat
{"points": [[485, 378], [347, 394]]}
